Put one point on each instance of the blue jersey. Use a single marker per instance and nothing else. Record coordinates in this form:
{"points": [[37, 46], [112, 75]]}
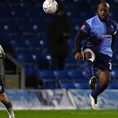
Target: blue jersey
{"points": [[100, 34]]}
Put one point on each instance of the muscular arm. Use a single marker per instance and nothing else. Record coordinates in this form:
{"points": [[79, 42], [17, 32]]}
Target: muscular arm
{"points": [[81, 35]]}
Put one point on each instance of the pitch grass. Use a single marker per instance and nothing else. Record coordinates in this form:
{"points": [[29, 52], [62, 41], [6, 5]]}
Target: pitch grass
{"points": [[63, 114]]}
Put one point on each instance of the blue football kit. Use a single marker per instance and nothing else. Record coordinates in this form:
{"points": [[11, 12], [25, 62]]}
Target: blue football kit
{"points": [[97, 37]]}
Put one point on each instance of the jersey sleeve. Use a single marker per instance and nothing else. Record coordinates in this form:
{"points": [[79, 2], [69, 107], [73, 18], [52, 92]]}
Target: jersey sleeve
{"points": [[82, 34], [115, 28], [85, 28]]}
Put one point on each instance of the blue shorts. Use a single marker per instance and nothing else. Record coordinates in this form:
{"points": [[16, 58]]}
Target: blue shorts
{"points": [[100, 60]]}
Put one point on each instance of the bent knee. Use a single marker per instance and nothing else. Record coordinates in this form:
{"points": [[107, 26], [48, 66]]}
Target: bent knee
{"points": [[87, 55]]}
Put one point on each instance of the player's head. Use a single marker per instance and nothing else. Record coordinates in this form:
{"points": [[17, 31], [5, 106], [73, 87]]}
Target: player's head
{"points": [[103, 10]]}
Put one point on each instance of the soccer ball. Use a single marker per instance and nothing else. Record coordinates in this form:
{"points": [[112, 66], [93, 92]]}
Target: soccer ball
{"points": [[50, 6]]}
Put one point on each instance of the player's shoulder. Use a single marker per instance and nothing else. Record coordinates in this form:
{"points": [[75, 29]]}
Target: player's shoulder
{"points": [[113, 24], [91, 20], [111, 21]]}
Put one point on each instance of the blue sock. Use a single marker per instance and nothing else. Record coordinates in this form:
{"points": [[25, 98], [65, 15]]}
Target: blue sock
{"points": [[88, 67], [98, 91]]}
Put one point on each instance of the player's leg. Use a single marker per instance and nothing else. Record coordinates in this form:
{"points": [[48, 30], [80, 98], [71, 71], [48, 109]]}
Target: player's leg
{"points": [[89, 58], [3, 98], [104, 73], [104, 79]]}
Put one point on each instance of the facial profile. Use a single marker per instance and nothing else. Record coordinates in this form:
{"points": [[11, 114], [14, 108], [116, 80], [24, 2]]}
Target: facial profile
{"points": [[103, 11]]}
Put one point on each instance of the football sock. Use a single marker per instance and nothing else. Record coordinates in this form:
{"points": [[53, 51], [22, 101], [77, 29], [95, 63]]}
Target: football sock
{"points": [[8, 106], [98, 91]]}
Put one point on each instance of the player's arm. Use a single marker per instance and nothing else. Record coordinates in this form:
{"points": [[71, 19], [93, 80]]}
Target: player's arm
{"points": [[114, 35], [81, 35]]}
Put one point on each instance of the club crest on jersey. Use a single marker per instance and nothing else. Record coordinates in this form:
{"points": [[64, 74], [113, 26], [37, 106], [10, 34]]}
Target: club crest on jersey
{"points": [[83, 27]]}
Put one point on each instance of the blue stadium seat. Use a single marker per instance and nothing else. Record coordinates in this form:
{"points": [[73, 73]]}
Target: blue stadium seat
{"points": [[46, 75], [24, 56], [17, 10], [41, 60], [82, 85], [9, 26], [77, 75], [48, 78], [31, 40], [24, 25], [71, 59], [18, 43], [32, 43], [13, 36], [113, 85], [114, 73], [30, 70], [38, 25], [61, 75], [67, 85], [49, 85]]}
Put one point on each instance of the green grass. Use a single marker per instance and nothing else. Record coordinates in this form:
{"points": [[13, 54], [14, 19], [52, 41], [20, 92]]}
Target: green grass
{"points": [[63, 114]]}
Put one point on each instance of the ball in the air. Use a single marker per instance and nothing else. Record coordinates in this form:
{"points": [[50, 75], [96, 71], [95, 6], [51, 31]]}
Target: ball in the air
{"points": [[50, 7]]}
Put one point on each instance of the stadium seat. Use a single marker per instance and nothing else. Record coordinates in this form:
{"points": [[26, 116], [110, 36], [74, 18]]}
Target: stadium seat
{"points": [[24, 56], [71, 59], [82, 85], [113, 85], [46, 75], [67, 85], [77, 75], [17, 10], [41, 60], [9, 26], [24, 25], [48, 78], [32, 43], [62, 75], [30, 70], [18, 43], [49, 85]]}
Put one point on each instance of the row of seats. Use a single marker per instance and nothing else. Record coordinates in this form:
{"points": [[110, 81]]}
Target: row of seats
{"points": [[29, 10], [37, 57], [71, 79], [74, 85], [71, 75]]}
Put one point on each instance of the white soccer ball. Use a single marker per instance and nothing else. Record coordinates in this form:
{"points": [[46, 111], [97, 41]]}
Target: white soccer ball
{"points": [[50, 6]]}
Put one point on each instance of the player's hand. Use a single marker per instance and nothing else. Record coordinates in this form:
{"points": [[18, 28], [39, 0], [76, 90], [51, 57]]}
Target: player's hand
{"points": [[79, 56]]}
